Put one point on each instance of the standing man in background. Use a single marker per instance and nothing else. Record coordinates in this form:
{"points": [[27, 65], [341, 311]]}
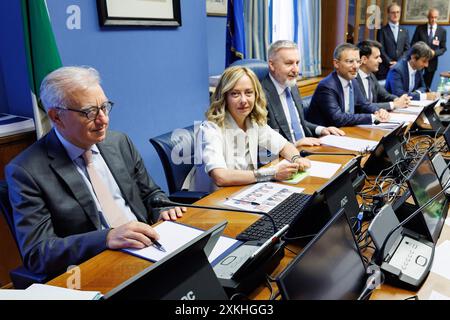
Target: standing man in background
{"points": [[394, 41], [435, 36]]}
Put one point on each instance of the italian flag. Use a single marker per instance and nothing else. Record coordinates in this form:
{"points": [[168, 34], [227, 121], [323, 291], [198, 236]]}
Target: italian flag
{"points": [[42, 55]]}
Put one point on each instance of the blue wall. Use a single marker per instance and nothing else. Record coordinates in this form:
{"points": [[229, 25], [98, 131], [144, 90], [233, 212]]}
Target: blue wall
{"points": [[157, 77], [216, 30]]}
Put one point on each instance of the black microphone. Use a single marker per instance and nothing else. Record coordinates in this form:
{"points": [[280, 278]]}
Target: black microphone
{"points": [[380, 257], [305, 153], [376, 121], [158, 202]]}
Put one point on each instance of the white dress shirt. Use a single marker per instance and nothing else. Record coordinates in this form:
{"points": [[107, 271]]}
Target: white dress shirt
{"points": [[282, 95], [412, 82], [434, 27], [75, 154], [395, 28], [365, 82], [229, 148]]}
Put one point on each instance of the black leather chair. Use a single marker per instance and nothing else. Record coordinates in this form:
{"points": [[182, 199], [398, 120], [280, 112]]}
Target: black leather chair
{"points": [[176, 152], [259, 67], [21, 277]]}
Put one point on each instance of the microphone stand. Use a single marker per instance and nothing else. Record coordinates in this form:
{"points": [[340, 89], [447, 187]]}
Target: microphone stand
{"points": [[158, 202]]}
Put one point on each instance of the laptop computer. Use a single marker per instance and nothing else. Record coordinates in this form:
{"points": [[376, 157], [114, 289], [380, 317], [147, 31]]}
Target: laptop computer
{"points": [[185, 274], [331, 266], [388, 151], [434, 125]]}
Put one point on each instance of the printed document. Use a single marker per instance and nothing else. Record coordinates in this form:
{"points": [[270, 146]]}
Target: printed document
{"points": [[39, 291], [354, 144], [261, 196], [318, 169], [174, 235]]}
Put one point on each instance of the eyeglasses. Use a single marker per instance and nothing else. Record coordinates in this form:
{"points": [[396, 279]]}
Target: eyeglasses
{"points": [[91, 113], [351, 62]]}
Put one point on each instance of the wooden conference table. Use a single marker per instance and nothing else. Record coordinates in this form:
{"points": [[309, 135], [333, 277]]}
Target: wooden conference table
{"points": [[110, 268]]}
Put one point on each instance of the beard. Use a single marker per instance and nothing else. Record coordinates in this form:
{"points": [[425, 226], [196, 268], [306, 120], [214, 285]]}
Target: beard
{"points": [[290, 83]]}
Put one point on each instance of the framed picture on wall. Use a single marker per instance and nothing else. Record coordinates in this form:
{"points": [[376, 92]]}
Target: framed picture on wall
{"points": [[216, 7], [415, 11], [156, 13]]}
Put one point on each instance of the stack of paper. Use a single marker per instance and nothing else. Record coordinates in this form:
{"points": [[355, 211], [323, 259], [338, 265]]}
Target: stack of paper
{"points": [[402, 117], [409, 110], [174, 235], [11, 124], [45, 292], [348, 143]]}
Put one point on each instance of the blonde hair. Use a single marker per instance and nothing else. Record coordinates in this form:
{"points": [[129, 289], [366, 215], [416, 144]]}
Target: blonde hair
{"points": [[228, 80]]}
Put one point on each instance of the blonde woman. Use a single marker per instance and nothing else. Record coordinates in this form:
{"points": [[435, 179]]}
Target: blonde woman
{"points": [[227, 144]]}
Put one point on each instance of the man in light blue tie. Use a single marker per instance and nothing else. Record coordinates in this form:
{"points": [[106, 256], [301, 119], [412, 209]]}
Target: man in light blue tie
{"points": [[394, 41], [284, 104], [338, 99]]}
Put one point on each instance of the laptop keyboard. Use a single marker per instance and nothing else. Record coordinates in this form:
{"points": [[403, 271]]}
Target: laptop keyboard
{"points": [[282, 214]]}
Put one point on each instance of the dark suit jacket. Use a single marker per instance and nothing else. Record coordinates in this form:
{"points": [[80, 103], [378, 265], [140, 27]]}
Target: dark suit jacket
{"points": [[276, 117], [397, 81], [391, 50], [327, 106], [421, 34], [380, 96], [55, 217]]}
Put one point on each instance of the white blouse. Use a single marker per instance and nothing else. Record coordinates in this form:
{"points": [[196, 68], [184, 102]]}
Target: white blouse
{"points": [[229, 148]]}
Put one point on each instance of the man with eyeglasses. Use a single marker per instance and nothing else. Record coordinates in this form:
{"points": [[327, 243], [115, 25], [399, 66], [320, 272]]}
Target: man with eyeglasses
{"points": [[80, 189], [337, 100], [284, 103], [394, 41]]}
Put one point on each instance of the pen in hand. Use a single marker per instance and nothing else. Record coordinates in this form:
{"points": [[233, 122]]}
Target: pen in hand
{"points": [[158, 246]]}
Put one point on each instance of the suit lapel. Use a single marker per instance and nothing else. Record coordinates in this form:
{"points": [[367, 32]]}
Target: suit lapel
{"points": [[65, 168], [113, 159], [361, 85], [340, 90], [274, 100]]}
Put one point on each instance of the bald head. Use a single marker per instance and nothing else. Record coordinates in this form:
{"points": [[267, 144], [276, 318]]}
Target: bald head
{"points": [[433, 16]]}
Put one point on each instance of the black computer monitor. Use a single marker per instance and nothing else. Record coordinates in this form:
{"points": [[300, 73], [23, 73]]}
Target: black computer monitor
{"points": [[329, 268], [424, 184], [435, 125], [388, 151], [337, 193], [185, 274]]}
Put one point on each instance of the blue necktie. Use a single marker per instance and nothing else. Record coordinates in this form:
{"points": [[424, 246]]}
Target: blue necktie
{"points": [[351, 99], [295, 123], [430, 36]]}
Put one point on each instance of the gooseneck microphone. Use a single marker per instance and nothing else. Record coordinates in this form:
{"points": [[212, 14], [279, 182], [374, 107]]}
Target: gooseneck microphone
{"points": [[376, 121], [380, 256], [305, 153], [158, 202]]}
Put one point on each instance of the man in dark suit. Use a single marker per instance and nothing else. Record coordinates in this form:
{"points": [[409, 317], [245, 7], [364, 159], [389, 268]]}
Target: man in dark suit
{"points": [[80, 189], [394, 41], [436, 37], [284, 104], [370, 54], [406, 76], [337, 100]]}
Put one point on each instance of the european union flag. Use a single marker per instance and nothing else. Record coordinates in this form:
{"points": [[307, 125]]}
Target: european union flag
{"points": [[235, 32]]}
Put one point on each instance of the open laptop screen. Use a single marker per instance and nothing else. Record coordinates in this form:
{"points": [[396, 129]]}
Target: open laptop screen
{"points": [[329, 268], [185, 274], [424, 185]]}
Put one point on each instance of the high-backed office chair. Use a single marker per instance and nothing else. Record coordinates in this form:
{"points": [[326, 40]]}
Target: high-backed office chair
{"points": [[21, 277], [176, 152], [259, 67]]}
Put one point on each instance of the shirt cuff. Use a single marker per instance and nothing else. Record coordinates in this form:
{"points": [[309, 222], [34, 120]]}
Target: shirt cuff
{"points": [[423, 96], [373, 117], [319, 130], [391, 105]]}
